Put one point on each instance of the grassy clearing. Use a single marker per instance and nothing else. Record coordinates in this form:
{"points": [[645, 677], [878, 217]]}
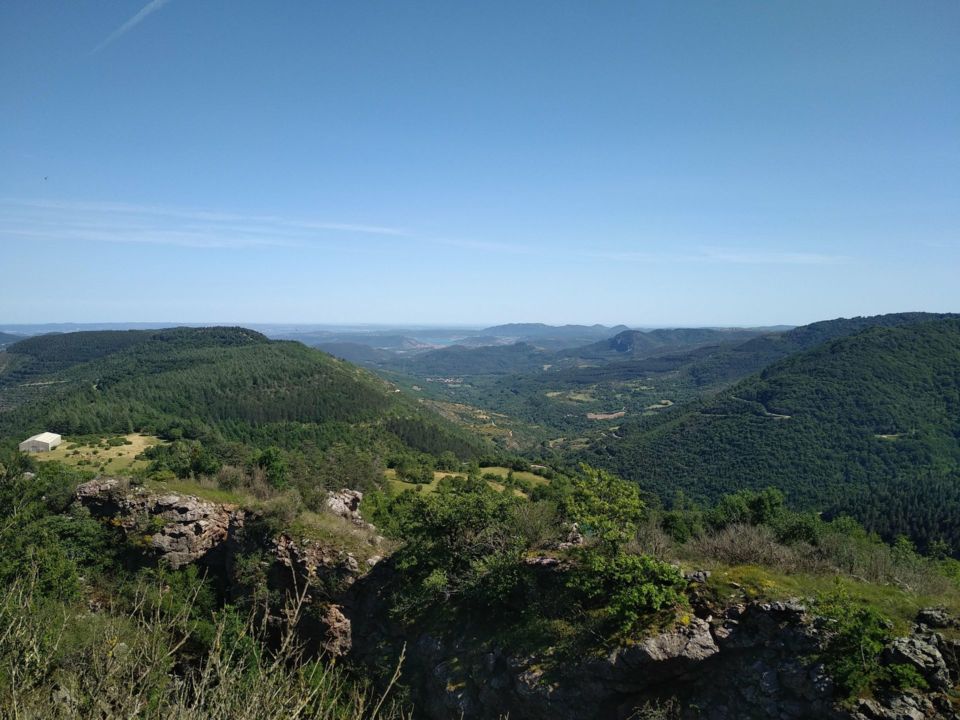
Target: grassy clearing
{"points": [[518, 474], [606, 416], [98, 454], [398, 485]]}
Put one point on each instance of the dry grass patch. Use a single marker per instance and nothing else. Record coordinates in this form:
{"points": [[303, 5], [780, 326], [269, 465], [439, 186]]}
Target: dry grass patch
{"points": [[102, 453]]}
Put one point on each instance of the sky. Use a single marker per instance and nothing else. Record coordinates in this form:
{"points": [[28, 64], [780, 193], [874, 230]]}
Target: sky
{"points": [[646, 163]]}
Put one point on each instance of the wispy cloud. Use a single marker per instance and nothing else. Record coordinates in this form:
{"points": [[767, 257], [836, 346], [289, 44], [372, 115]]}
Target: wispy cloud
{"points": [[770, 257], [720, 256], [114, 222], [147, 10], [72, 221]]}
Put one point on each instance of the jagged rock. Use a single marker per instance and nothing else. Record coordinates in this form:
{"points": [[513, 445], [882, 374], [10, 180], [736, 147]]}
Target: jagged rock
{"points": [[950, 650], [338, 639], [791, 606], [545, 562], [306, 562], [923, 653], [573, 539], [937, 617], [659, 657], [346, 504], [898, 707], [180, 529]]}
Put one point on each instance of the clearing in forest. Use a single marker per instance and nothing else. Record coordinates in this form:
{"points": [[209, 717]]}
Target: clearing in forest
{"points": [[108, 454]]}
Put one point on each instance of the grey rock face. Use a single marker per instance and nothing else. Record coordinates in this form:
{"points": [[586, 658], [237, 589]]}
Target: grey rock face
{"points": [[179, 529], [937, 617], [338, 638], [922, 653], [660, 657], [346, 504]]}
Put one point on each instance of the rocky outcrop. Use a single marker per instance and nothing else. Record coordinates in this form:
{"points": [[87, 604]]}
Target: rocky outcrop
{"points": [[658, 658], [752, 660], [307, 563], [346, 504], [337, 631], [177, 529], [921, 652]]}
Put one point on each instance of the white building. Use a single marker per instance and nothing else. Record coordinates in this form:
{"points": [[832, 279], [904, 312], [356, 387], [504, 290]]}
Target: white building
{"points": [[43, 442]]}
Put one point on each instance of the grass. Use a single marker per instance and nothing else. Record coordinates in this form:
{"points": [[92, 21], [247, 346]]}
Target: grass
{"points": [[399, 486], [203, 489], [758, 583], [95, 453], [332, 530], [530, 477]]}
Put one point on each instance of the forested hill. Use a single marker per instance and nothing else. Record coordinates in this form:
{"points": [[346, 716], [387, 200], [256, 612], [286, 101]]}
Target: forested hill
{"points": [[517, 357], [868, 424], [216, 384], [9, 339], [643, 343], [733, 363]]}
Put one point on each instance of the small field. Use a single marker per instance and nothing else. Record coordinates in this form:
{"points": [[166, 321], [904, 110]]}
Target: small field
{"points": [[574, 396], [606, 416], [518, 474], [398, 485], [111, 455]]}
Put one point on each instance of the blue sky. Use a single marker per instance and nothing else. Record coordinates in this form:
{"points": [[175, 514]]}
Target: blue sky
{"points": [[472, 163]]}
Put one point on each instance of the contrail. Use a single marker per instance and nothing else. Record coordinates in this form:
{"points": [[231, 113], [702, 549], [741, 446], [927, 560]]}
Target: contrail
{"points": [[150, 7]]}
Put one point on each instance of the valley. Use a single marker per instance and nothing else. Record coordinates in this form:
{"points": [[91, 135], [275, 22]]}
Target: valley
{"points": [[686, 502]]}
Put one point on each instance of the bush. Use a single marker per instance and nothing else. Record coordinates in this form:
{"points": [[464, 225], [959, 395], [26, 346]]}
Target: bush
{"points": [[741, 544], [630, 587], [853, 654], [538, 522]]}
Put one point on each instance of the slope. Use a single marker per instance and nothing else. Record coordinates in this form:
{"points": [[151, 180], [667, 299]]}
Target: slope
{"points": [[867, 425], [217, 383]]}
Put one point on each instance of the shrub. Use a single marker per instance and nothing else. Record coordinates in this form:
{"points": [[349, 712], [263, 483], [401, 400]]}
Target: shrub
{"points": [[853, 653], [630, 587], [538, 522]]}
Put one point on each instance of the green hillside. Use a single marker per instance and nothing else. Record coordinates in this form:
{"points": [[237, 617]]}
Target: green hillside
{"points": [[215, 384], [867, 425], [640, 343]]}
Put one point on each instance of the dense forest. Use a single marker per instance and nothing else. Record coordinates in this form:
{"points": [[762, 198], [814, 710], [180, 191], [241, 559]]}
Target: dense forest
{"points": [[866, 424], [226, 387]]}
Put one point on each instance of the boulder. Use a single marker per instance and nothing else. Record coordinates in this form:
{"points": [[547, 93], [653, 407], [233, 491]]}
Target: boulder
{"points": [[338, 636], [937, 617], [346, 504], [923, 653], [658, 658]]}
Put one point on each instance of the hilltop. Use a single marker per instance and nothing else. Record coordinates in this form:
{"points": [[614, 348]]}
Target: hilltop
{"points": [[218, 385]]}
